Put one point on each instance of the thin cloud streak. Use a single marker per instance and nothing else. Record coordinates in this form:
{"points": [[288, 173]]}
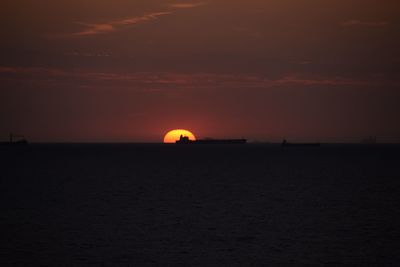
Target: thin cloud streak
{"points": [[101, 28], [168, 80], [91, 29]]}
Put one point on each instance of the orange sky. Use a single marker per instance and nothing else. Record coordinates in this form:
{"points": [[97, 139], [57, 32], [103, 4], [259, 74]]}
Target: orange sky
{"points": [[125, 70]]}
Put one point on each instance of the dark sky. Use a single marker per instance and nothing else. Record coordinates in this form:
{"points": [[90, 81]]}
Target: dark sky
{"points": [[126, 70]]}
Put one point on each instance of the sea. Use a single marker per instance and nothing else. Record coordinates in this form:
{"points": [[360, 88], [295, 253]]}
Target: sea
{"points": [[199, 205]]}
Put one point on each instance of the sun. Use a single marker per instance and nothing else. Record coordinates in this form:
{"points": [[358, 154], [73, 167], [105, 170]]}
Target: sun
{"points": [[174, 135]]}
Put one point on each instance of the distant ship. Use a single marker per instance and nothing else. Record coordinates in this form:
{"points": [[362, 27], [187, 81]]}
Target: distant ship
{"points": [[15, 142], [186, 140]]}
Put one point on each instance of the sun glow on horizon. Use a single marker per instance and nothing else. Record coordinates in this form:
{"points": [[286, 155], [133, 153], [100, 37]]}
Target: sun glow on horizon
{"points": [[174, 135]]}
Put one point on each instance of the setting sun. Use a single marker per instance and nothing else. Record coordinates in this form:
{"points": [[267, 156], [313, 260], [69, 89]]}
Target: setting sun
{"points": [[174, 135]]}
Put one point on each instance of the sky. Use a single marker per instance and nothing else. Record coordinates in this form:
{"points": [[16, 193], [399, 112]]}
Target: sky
{"points": [[130, 71]]}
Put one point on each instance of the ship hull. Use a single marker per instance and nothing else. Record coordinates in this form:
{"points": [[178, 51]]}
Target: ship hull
{"points": [[213, 141]]}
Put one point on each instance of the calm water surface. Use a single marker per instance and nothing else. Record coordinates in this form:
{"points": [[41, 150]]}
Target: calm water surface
{"points": [[167, 205]]}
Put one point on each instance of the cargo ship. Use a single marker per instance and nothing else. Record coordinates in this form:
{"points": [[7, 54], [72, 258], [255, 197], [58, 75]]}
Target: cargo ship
{"points": [[210, 141]]}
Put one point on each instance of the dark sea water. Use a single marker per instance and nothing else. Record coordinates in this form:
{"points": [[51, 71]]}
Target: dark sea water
{"points": [[168, 205]]}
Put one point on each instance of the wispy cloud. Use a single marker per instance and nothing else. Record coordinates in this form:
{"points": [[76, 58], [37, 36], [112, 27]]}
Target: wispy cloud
{"points": [[360, 23], [101, 28], [89, 29], [50, 77]]}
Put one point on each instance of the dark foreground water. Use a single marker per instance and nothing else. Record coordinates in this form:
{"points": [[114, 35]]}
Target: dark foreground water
{"points": [[167, 205]]}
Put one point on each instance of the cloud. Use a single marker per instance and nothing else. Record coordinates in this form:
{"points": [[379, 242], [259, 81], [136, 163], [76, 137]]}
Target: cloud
{"points": [[90, 29], [101, 28], [359, 23], [135, 20], [52, 77]]}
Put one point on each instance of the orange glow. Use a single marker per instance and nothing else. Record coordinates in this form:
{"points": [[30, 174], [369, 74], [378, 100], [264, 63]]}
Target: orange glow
{"points": [[174, 135]]}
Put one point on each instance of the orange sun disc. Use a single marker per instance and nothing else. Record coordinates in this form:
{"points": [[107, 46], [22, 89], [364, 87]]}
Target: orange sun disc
{"points": [[174, 135]]}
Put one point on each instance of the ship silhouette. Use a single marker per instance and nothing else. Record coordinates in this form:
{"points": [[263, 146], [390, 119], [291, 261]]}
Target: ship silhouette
{"points": [[186, 140], [15, 140]]}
